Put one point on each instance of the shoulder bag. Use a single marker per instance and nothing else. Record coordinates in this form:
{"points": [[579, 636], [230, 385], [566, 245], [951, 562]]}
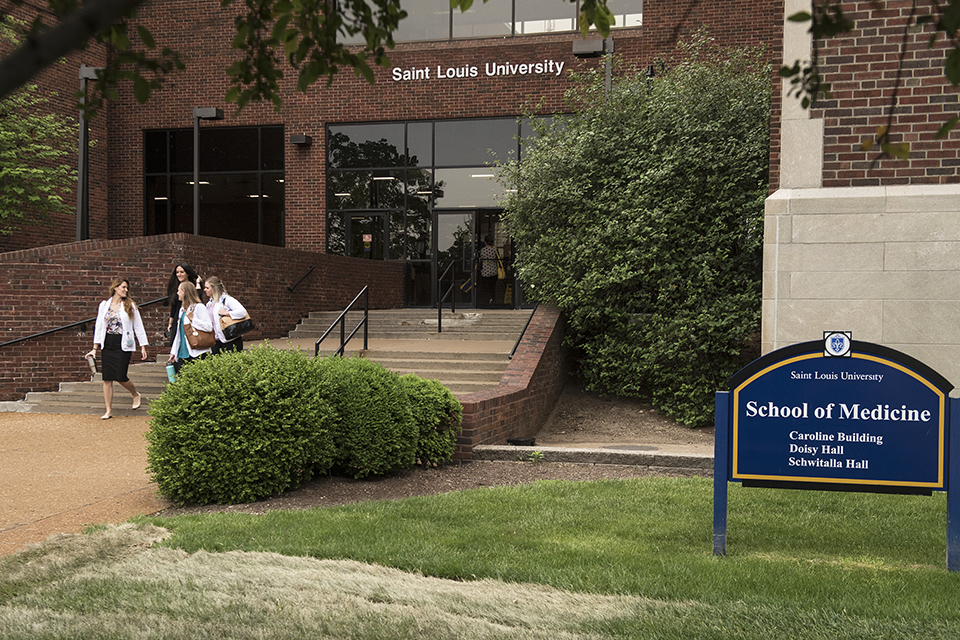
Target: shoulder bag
{"points": [[233, 329], [198, 339]]}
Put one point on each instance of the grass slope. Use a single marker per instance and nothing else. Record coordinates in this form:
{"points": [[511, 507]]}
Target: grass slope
{"points": [[614, 559]]}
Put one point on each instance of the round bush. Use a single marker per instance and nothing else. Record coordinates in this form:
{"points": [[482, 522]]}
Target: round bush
{"points": [[438, 415], [374, 432], [239, 427]]}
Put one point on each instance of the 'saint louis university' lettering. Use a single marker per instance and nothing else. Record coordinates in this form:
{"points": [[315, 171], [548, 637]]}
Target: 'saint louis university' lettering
{"points": [[843, 412], [399, 74]]}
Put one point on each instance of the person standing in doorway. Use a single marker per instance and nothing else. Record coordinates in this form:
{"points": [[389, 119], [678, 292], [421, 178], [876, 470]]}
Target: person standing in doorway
{"points": [[117, 331], [488, 273]]}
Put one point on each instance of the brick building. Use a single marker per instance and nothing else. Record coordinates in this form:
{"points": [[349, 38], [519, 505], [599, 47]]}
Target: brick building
{"points": [[399, 170]]}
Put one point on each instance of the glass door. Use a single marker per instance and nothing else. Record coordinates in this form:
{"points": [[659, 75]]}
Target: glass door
{"points": [[365, 236], [456, 245]]}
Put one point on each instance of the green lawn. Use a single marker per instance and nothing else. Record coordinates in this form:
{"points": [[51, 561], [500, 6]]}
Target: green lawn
{"points": [[612, 559]]}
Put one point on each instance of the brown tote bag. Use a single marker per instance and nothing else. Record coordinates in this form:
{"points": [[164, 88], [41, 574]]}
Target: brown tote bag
{"points": [[198, 339]]}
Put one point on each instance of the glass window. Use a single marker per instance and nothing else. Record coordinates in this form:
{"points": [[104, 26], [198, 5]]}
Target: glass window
{"points": [[420, 144], [545, 16], [272, 224], [467, 188], [336, 234], [628, 13], [366, 189], [181, 151], [426, 20], [483, 19], [228, 149], [155, 152], [470, 142], [238, 200], [271, 149], [368, 145]]}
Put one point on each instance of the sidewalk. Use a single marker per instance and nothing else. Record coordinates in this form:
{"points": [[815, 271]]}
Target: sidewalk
{"points": [[60, 472]]}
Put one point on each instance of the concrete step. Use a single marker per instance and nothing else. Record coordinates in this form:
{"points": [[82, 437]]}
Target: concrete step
{"points": [[461, 372], [400, 324]]}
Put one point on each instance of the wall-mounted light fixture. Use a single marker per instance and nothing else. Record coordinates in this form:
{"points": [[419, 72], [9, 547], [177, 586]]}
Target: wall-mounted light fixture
{"points": [[301, 140], [594, 49]]}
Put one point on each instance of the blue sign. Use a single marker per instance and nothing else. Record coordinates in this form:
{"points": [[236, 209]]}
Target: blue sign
{"points": [[838, 414], [865, 419]]}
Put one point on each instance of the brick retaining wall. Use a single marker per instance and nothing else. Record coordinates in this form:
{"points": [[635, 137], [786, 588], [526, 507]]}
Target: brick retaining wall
{"points": [[528, 391], [52, 286]]}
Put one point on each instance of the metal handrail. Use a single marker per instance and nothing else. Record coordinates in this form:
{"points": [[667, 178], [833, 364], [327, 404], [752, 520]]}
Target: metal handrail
{"points": [[302, 278], [453, 300], [342, 319], [517, 343], [74, 324]]}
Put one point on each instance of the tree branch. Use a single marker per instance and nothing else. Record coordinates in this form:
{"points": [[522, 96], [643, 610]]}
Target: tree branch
{"points": [[73, 32]]}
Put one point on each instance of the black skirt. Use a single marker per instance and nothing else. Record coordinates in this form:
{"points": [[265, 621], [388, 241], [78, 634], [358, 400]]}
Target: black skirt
{"points": [[114, 361]]}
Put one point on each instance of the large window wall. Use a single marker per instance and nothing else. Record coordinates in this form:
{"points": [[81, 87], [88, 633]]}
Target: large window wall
{"points": [[389, 186], [435, 20], [241, 183]]}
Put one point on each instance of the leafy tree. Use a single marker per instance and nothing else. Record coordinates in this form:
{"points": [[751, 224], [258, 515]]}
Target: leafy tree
{"points": [[33, 145], [272, 35], [640, 215]]}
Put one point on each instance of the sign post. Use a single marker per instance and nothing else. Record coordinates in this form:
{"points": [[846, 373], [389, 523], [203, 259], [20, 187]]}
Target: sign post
{"points": [[837, 415]]}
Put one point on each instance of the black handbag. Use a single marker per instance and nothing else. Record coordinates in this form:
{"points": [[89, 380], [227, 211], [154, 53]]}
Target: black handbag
{"points": [[236, 328]]}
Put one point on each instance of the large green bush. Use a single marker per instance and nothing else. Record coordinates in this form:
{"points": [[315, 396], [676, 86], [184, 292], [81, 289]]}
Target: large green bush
{"points": [[438, 414], [374, 432], [239, 427], [640, 215]]}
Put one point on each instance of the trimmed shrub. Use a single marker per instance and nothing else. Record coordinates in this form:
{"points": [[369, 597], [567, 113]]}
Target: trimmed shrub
{"points": [[438, 414], [374, 432], [239, 427]]}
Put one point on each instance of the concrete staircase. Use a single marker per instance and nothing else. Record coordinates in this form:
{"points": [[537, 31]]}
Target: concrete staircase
{"points": [[470, 354], [420, 324]]}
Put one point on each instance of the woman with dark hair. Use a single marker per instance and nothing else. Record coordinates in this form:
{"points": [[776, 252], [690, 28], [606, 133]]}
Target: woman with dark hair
{"points": [[181, 273], [118, 329]]}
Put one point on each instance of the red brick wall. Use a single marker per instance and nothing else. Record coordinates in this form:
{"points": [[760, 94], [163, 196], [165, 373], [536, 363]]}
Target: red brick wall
{"points": [[527, 393], [52, 286], [862, 69], [205, 41]]}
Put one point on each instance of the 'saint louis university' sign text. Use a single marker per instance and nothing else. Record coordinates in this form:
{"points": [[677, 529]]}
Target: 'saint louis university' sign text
{"points": [[490, 69]]}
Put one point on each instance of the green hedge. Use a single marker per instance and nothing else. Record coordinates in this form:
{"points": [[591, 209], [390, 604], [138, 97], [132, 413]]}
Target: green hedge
{"points": [[240, 427], [439, 415]]}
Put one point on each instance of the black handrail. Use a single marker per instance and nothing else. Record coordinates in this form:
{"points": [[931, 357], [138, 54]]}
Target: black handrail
{"points": [[453, 300], [302, 278], [517, 343], [342, 319], [74, 324]]}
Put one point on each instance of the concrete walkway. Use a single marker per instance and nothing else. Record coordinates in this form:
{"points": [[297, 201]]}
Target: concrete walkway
{"points": [[60, 472]]}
